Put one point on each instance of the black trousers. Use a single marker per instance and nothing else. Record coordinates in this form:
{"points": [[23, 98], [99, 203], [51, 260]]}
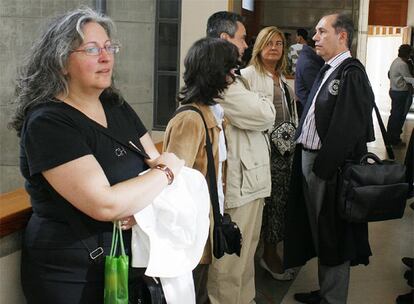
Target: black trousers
{"points": [[400, 101], [46, 280], [200, 275]]}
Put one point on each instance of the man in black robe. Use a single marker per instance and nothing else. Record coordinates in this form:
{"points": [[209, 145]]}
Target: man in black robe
{"points": [[335, 126]]}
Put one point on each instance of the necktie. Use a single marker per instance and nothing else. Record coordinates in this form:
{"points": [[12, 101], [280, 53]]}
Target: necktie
{"points": [[317, 82], [311, 95]]}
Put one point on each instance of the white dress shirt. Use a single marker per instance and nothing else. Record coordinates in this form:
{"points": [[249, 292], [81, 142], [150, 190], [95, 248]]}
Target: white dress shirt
{"points": [[309, 137]]}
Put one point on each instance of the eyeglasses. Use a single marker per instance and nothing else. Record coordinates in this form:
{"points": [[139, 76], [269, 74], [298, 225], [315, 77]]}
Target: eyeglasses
{"points": [[94, 50], [271, 44]]}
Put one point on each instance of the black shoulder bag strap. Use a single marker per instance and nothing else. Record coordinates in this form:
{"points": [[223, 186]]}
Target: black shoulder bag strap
{"points": [[288, 100], [94, 247], [387, 144], [211, 171], [128, 144]]}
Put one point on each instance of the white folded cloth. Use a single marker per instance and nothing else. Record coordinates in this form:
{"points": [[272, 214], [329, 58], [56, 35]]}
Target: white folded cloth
{"points": [[171, 233]]}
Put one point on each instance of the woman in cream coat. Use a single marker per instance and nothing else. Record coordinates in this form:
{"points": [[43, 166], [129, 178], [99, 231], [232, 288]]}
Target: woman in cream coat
{"points": [[265, 74]]}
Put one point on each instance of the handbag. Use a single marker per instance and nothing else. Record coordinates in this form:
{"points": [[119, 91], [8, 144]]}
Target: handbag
{"points": [[372, 191], [227, 237], [282, 136], [116, 270], [150, 291]]}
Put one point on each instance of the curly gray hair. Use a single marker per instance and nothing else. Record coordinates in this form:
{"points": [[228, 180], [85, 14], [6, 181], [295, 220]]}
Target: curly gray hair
{"points": [[40, 78]]}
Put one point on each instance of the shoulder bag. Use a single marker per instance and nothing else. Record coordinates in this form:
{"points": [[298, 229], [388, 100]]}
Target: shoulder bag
{"points": [[227, 237], [372, 191]]}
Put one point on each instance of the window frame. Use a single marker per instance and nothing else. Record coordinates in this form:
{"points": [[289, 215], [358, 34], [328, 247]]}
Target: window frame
{"points": [[158, 125]]}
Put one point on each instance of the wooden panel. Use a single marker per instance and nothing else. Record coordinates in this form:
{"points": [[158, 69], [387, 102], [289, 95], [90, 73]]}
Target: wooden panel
{"points": [[15, 210], [388, 12]]}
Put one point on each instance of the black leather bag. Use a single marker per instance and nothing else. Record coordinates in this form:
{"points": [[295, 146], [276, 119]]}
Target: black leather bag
{"points": [[150, 291], [372, 191], [227, 237]]}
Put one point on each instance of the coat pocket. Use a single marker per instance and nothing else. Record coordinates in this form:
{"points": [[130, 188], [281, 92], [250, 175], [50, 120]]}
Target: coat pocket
{"points": [[255, 173]]}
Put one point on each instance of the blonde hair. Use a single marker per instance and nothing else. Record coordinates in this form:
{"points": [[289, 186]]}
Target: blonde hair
{"points": [[265, 35]]}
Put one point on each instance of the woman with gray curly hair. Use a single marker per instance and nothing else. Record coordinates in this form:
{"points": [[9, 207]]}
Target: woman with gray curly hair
{"points": [[77, 175]]}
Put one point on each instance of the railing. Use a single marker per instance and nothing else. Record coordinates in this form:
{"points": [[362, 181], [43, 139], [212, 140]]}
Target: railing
{"points": [[382, 30]]}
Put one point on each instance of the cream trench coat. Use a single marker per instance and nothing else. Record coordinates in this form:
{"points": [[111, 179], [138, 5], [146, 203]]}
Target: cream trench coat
{"points": [[248, 116]]}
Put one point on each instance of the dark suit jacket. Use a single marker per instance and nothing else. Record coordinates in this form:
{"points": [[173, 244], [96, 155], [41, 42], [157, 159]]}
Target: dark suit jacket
{"points": [[307, 67], [343, 118]]}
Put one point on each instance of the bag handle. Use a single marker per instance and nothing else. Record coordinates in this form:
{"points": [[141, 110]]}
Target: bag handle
{"points": [[385, 138], [211, 170], [370, 155], [117, 231]]}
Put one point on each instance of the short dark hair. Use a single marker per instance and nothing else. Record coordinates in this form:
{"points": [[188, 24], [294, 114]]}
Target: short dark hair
{"points": [[303, 33], [344, 23], [207, 66], [404, 51], [223, 22]]}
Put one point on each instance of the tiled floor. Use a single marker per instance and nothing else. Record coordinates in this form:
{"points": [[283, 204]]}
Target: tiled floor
{"points": [[379, 282]]}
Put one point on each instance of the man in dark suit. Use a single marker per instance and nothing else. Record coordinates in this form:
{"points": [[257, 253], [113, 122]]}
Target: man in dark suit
{"points": [[335, 126], [307, 67]]}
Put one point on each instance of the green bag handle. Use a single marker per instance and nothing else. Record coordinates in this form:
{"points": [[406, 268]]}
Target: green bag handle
{"points": [[117, 231]]}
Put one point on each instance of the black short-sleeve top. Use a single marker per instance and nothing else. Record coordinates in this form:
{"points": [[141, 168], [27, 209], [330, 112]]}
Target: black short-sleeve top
{"points": [[55, 133]]}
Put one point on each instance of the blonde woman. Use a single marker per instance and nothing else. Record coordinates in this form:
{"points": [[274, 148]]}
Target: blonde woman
{"points": [[265, 74]]}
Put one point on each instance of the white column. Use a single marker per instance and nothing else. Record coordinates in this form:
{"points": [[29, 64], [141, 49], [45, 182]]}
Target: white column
{"points": [[194, 15], [410, 13], [363, 30]]}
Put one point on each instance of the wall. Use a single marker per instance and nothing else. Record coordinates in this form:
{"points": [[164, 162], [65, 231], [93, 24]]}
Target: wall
{"points": [[10, 290], [410, 13], [386, 12], [362, 31], [19, 24], [292, 14], [302, 13], [194, 15]]}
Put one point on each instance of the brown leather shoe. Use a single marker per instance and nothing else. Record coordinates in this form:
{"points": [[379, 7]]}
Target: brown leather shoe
{"points": [[312, 297]]}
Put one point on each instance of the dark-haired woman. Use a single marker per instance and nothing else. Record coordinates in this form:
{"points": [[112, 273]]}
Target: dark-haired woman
{"points": [[76, 175], [209, 65]]}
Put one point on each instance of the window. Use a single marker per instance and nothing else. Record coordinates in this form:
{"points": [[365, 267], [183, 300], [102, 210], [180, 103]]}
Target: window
{"points": [[167, 60]]}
